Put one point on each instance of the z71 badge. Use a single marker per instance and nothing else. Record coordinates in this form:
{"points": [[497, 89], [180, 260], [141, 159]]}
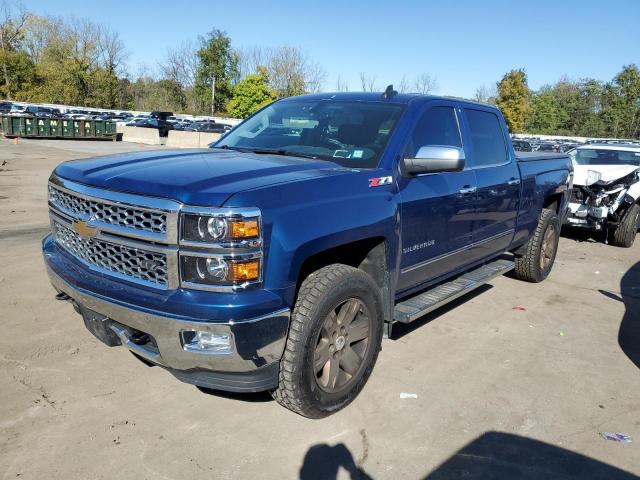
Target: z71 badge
{"points": [[379, 181]]}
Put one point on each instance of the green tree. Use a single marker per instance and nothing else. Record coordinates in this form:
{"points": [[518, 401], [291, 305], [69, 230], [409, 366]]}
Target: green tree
{"points": [[217, 67], [250, 95], [12, 63], [513, 99], [621, 104]]}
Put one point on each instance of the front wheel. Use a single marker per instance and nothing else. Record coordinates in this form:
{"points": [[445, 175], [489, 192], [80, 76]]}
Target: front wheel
{"points": [[625, 233], [535, 265], [334, 340]]}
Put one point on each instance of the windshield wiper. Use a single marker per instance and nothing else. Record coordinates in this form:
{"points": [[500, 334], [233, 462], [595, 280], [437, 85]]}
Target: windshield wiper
{"points": [[270, 151]]}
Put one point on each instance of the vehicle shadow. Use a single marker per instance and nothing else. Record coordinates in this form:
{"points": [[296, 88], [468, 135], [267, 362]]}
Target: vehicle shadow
{"points": [[629, 332], [249, 397], [322, 462], [402, 329], [498, 456], [491, 456], [584, 235]]}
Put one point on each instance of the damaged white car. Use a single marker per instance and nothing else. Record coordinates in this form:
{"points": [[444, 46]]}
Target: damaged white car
{"points": [[606, 191]]}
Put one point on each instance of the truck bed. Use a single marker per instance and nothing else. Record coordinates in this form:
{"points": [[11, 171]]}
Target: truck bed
{"points": [[535, 156]]}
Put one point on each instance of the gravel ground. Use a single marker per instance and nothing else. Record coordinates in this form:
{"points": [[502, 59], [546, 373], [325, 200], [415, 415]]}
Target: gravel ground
{"points": [[514, 381]]}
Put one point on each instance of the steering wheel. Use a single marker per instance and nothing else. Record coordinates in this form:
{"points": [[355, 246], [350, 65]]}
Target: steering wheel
{"points": [[332, 142]]}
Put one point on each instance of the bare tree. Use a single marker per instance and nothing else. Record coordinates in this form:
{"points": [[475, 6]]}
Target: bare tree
{"points": [[425, 84], [180, 64], [314, 76], [83, 36], [341, 85], [13, 18], [403, 86], [39, 33], [292, 72], [486, 94], [368, 82], [111, 49], [250, 58]]}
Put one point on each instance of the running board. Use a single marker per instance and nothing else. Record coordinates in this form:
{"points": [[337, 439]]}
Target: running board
{"points": [[415, 307]]}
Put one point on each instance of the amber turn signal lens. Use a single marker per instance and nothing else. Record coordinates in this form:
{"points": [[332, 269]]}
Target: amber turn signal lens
{"points": [[245, 271], [244, 229]]}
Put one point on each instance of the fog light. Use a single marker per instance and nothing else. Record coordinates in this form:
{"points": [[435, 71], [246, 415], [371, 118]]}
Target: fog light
{"points": [[206, 342]]}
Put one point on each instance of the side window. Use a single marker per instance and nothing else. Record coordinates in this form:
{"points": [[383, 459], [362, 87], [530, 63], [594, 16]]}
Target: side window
{"points": [[487, 138], [437, 126]]}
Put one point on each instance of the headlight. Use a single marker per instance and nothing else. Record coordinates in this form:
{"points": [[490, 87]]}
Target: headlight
{"points": [[218, 228], [220, 248], [593, 177], [219, 271]]}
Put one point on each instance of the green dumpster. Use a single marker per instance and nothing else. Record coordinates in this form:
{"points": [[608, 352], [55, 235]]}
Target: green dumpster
{"points": [[16, 126], [56, 127], [43, 127], [99, 127], [67, 128], [78, 128], [4, 125], [90, 128], [110, 129], [30, 127]]}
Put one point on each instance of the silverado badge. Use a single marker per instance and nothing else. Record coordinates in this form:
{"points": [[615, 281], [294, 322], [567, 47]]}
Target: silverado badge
{"points": [[83, 229]]}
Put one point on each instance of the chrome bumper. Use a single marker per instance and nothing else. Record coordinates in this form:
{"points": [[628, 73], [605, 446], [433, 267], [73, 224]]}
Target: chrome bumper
{"points": [[257, 342]]}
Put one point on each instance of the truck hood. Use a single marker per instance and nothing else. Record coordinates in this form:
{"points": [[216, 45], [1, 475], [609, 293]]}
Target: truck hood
{"points": [[194, 177], [608, 173]]}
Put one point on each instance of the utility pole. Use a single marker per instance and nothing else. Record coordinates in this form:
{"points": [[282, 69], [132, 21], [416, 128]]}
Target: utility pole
{"points": [[213, 93]]}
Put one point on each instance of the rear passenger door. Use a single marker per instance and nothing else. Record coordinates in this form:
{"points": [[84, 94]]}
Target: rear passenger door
{"points": [[498, 181], [436, 209]]}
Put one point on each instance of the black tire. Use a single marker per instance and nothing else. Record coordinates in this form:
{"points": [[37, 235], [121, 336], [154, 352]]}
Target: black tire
{"points": [[625, 233], [534, 266], [321, 295]]}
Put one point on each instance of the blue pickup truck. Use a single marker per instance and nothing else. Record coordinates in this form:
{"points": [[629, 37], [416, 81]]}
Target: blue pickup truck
{"points": [[279, 258]]}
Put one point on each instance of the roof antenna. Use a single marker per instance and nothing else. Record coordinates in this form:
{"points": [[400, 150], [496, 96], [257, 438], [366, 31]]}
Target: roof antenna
{"points": [[389, 92]]}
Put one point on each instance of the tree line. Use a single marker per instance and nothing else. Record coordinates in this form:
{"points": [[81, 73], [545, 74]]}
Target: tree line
{"points": [[585, 107], [47, 59]]}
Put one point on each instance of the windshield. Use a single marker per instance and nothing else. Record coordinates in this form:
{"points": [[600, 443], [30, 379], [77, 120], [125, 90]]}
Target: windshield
{"points": [[352, 134], [592, 156]]}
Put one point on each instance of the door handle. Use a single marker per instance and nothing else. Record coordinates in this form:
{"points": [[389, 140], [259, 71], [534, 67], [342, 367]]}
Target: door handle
{"points": [[514, 181], [467, 190]]}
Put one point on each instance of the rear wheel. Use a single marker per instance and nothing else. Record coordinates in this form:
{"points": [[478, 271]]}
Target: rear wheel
{"points": [[535, 265], [625, 233], [334, 339]]}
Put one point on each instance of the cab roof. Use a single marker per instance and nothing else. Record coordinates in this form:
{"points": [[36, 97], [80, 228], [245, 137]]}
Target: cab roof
{"points": [[399, 98]]}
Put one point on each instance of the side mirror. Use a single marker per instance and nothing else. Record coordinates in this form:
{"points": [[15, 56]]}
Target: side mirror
{"points": [[434, 159]]}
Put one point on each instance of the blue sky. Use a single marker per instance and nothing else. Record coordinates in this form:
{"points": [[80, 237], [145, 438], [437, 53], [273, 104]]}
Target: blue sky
{"points": [[464, 43]]}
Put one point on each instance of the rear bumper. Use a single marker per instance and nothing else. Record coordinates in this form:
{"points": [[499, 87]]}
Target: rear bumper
{"points": [[251, 365]]}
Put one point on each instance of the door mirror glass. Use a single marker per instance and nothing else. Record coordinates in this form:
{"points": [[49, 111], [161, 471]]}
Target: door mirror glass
{"points": [[434, 159]]}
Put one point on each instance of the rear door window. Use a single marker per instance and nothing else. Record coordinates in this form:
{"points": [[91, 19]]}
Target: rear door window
{"points": [[487, 138]]}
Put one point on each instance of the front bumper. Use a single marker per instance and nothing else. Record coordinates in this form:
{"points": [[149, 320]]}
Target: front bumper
{"points": [[580, 215], [252, 364]]}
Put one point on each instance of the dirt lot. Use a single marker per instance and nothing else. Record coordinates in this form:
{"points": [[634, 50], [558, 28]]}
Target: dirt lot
{"points": [[517, 381]]}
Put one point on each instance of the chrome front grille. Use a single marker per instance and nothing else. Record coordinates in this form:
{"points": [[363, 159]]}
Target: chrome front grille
{"points": [[121, 215], [131, 262]]}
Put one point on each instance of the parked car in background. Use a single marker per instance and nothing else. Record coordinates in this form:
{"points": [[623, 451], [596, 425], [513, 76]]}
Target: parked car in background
{"points": [[209, 127], [606, 191], [5, 107], [162, 126], [549, 147], [522, 146]]}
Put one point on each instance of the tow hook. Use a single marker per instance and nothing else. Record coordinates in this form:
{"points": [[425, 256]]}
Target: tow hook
{"points": [[63, 297]]}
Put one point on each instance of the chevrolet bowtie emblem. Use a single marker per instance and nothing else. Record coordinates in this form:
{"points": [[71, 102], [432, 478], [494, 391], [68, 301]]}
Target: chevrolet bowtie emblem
{"points": [[84, 229]]}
